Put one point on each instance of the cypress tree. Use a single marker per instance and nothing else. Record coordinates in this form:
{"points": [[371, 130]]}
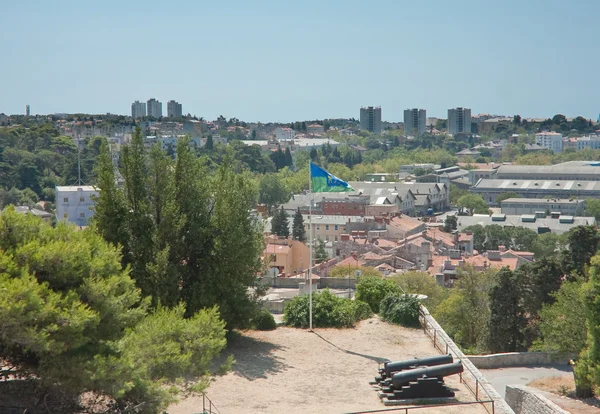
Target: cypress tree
{"points": [[298, 231], [507, 315]]}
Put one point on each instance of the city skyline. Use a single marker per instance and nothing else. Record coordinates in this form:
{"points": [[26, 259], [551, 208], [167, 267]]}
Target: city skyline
{"points": [[250, 61]]}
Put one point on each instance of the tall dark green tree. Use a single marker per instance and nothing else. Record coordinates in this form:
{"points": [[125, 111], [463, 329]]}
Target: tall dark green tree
{"points": [[583, 244], [280, 223], [298, 230], [209, 143], [507, 314], [288, 157]]}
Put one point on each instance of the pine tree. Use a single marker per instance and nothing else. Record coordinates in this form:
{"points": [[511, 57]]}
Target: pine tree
{"points": [[320, 252], [280, 223], [209, 143], [298, 231], [288, 158]]}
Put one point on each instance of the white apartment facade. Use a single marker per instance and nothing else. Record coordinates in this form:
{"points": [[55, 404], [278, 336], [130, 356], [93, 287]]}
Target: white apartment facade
{"points": [[590, 141], [370, 119], [459, 121], [414, 121], [174, 109], [550, 140], [284, 134], [74, 204]]}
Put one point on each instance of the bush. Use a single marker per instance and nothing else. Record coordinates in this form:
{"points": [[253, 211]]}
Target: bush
{"points": [[264, 321], [372, 290], [328, 311], [400, 309]]}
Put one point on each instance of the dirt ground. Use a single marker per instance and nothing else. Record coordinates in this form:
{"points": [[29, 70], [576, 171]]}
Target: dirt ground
{"points": [[295, 371], [561, 391]]}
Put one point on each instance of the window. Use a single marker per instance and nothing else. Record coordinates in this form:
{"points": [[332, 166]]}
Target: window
{"points": [[82, 199], [318, 227], [335, 238], [66, 215], [65, 200], [327, 227], [82, 215], [335, 228]]}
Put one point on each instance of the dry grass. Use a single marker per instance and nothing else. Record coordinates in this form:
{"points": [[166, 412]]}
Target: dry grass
{"points": [[564, 386], [294, 371]]}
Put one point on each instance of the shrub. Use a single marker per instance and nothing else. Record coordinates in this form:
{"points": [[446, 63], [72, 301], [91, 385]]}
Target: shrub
{"points": [[372, 290], [328, 311], [264, 321], [400, 309]]}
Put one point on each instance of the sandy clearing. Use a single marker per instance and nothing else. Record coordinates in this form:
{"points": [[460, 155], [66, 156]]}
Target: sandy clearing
{"points": [[295, 371]]}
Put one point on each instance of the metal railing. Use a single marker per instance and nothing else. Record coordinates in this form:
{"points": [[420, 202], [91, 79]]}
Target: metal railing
{"points": [[207, 406], [471, 381], [406, 410]]}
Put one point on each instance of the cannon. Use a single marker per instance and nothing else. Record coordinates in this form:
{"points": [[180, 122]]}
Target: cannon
{"points": [[391, 367], [403, 378]]}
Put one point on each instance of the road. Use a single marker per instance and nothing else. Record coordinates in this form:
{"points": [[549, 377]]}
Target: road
{"points": [[501, 377]]}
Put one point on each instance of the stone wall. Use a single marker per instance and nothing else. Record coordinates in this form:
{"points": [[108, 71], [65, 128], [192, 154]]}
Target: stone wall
{"points": [[322, 283], [525, 400], [517, 359]]}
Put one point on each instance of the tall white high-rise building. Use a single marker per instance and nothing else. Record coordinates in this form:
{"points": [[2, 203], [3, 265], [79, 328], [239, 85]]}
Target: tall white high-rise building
{"points": [[459, 121], [370, 119], [154, 108], [550, 140], [174, 109], [138, 109], [414, 121]]}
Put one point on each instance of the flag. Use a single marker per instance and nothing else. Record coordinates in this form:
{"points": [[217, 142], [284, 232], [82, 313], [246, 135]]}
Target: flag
{"points": [[325, 182]]}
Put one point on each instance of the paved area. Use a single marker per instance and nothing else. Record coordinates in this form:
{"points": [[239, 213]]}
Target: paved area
{"points": [[501, 377]]}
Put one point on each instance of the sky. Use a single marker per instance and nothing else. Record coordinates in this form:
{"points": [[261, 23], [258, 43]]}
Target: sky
{"points": [[283, 61]]}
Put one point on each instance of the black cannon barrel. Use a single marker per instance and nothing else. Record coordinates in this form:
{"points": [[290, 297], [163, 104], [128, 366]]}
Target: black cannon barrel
{"points": [[404, 377], [391, 367]]}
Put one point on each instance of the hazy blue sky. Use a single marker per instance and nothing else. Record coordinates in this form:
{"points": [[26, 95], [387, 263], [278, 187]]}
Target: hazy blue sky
{"points": [[295, 60]]}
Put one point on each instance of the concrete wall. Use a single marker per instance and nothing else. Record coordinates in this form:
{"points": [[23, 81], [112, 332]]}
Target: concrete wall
{"points": [[517, 359], [441, 338], [324, 282], [525, 400]]}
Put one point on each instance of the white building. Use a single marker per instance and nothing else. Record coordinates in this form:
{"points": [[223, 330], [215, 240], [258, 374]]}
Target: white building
{"points": [[138, 109], [315, 129], [154, 108], [284, 134], [74, 203], [459, 121], [590, 141], [414, 121], [550, 140]]}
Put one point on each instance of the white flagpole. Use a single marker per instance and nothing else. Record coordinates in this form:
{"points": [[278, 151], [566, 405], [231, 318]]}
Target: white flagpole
{"points": [[310, 253]]}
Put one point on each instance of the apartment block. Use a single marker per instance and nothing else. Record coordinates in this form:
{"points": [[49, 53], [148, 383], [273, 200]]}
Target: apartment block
{"points": [[370, 119], [74, 204], [459, 121], [138, 109], [550, 140], [154, 108], [174, 109], [414, 121]]}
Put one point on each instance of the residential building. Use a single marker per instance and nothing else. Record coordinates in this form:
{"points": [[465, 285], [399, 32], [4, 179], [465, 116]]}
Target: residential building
{"points": [[284, 134], [285, 256], [459, 121], [569, 207], [174, 109], [590, 141], [571, 170], [74, 204], [138, 110], [402, 226], [487, 172], [154, 108], [370, 119], [550, 140], [315, 129], [467, 153], [414, 121], [410, 168], [490, 189], [546, 224]]}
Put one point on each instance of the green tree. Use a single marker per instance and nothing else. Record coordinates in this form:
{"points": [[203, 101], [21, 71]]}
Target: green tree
{"points": [[583, 244], [421, 283], [209, 146], [71, 317], [280, 224], [298, 230], [562, 323], [507, 195], [320, 253], [592, 208], [587, 368], [272, 191], [507, 313], [372, 290], [472, 203], [464, 315], [450, 223]]}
